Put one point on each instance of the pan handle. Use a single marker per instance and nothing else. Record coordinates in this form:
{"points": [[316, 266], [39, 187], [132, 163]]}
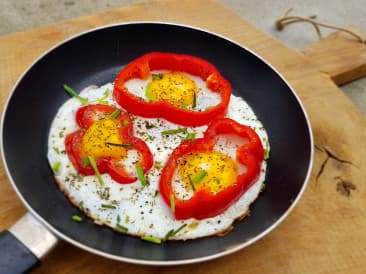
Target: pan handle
{"points": [[24, 244]]}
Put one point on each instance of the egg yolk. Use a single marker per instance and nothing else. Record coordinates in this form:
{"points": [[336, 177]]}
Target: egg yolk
{"points": [[102, 139], [213, 170], [174, 87]]}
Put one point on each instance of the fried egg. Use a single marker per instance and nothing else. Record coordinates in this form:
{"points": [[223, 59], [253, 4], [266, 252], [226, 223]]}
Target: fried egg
{"points": [[181, 89], [140, 210]]}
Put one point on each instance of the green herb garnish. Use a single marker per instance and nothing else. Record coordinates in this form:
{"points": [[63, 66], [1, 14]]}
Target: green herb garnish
{"points": [[85, 161], [76, 218], [173, 232], [72, 92], [95, 168], [199, 177], [174, 131], [148, 92], [140, 175], [108, 206], [102, 100], [156, 193], [56, 166], [118, 145], [190, 136], [127, 219], [151, 239], [81, 206], [114, 114], [125, 123], [191, 183], [158, 76], [172, 203], [55, 149], [120, 229], [194, 104], [266, 154], [263, 186]]}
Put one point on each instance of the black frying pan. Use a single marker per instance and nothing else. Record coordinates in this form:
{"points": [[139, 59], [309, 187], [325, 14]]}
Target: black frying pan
{"points": [[95, 57]]}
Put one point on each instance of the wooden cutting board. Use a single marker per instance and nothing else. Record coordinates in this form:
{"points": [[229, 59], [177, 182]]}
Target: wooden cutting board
{"points": [[326, 232]]}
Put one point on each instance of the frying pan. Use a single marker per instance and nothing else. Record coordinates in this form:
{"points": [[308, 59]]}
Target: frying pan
{"points": [[95, 57]]}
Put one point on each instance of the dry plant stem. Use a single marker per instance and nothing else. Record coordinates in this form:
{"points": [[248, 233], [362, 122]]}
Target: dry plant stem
{"points": [[283, 21]]}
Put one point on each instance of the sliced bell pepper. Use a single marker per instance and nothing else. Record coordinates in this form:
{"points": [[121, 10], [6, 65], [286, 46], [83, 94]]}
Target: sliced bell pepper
{"points": [[204, 204], [87, 116], [141, 68]]}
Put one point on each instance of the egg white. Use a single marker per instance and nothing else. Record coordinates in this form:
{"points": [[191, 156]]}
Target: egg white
{"points": [[141, 209]]}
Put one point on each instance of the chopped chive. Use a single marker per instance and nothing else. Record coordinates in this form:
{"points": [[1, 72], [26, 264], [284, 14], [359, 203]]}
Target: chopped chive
{"points": [[55, 149], [108, 206], [263, 186], [120, 229], [194, 104], [184, 106], [266, 154], [169, 234], [151, 239], [81, 206], [191, 183], [199, 177], [156, 193], [114, 114], [95, 168], [217, 180], [118, 219], [118, 145], [102, 100], [174, 131], [56, 166], [172, 203], [173, 232], [190, 136], [125, 123], [76, 218], [158, 76], [148, 93], [85, 161], [72, 92], [140, 175], [151, 138], [179, 229], [127, 219]]}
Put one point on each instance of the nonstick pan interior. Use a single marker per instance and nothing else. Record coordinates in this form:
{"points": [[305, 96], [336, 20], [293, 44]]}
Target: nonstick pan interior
{"points": [[95, 58]]}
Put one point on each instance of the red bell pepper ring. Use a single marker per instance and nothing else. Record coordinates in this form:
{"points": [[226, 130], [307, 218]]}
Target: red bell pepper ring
{"points": [[85, 117], [205, 204], [141, 68]]}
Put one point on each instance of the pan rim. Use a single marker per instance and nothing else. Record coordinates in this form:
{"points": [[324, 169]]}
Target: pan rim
{"points": [[143, 261]]}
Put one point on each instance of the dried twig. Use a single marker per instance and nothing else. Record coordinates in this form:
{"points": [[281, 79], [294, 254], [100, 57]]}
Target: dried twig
{"points": [[286, 20]]}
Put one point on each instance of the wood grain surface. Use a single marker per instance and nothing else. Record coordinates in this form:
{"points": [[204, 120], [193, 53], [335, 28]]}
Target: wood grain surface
{"points": [[325, 233]]}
